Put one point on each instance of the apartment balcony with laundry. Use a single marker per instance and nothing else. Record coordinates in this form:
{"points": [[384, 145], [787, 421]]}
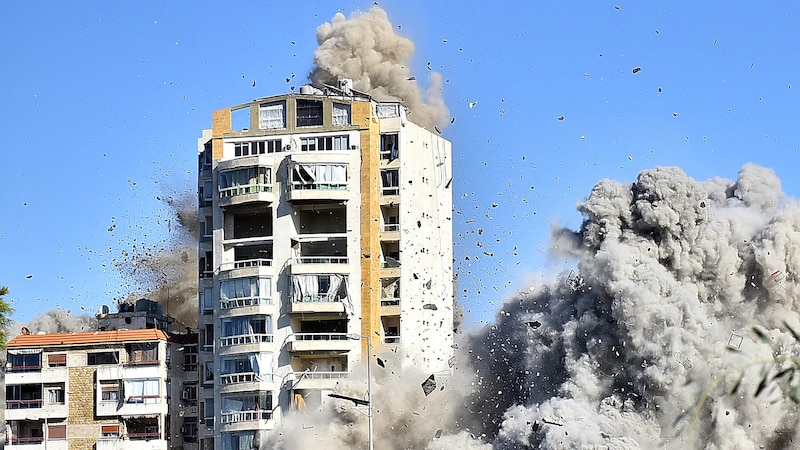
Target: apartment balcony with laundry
{"points": [[245, 180], [322, 336]]}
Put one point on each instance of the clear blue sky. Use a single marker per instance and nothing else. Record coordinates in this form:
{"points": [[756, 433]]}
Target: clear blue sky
{"points": [[103, 103]]}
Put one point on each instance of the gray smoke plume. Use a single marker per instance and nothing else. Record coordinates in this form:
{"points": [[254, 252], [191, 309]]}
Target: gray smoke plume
{"points": [[167, 271], [56, 320], [633, 348], [366, 49], [647, 343]]}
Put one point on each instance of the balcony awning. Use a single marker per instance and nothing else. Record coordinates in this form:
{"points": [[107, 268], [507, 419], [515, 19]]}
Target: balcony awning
{"points": [[24, 351]]}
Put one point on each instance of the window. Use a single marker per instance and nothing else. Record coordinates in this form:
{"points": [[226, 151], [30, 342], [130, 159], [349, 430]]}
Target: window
{"points": [[107, 431], [257, 147], [390, 182], [25, 362], [57, 360], [389, 146], [55, 395], [206, 263], [190, 358], [207, 193], [189, 393], [319, 176], [208, 226], [109, 391], [324, 143], [248, 291], [207, 300], [146, 391], [57, 432], [271, 116], [141, 353], [208, 375], [99, 358], [388, 110], [309, 113], [189, 429], [208, 338], [247, 325], [248, 180], [341, 114]]}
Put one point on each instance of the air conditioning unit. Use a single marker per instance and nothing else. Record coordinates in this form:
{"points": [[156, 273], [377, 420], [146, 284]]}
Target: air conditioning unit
{"points": [[287, 147], [353, 147]]}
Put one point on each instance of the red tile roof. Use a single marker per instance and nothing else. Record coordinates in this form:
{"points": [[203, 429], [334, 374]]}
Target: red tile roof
{"points": [[88, 338]]}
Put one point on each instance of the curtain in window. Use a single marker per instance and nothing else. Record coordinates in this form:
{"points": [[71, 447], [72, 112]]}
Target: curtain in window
{"points": [[262, 365], [304, 287], [270, 116], [54, 396], [238, 326], [341, 114], [384, 111]]}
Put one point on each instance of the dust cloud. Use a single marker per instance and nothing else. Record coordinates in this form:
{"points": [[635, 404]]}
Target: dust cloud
{"points": [[366, 49], [641, 345]]}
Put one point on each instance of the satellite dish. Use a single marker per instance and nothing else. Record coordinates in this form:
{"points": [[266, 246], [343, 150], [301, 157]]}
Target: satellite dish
{"points": [[25, 331]]}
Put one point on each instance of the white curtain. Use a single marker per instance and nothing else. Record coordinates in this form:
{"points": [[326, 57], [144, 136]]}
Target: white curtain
{"points": [[135, 390], [304, 287], [341, 114], [270, 116], [262, 365], [246, 441], [238, 326]]}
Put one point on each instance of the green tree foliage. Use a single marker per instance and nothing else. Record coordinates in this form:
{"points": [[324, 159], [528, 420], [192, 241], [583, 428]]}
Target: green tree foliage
{"points": [[5, 316]]}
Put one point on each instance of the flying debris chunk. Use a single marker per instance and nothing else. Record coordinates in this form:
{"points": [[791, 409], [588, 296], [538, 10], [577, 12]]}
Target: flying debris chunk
{"points": [[560, 117], [735, 341], [429, 385], [381, 363], [534, 324], [430, 306], [472, 104], [438, 434], [637, 69]]}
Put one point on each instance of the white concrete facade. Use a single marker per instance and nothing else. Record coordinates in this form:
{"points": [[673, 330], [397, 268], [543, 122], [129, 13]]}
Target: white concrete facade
{"points": [[328, 218]]}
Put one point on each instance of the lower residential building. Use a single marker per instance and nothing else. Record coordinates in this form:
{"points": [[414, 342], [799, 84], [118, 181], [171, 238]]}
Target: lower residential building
{"points": [[102, 390]]}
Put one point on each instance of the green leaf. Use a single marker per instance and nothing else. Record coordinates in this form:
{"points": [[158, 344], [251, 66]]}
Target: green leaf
{"points": [[794, 333], [762, 334]]}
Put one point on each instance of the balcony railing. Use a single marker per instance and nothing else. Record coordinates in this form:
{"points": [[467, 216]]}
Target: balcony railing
{"points": [[245, 416], [318, 298], [321, 336], [388, 227], [244, 377], [19, 369], [320, 260], [390, 302], [144, 362], [244, 302], [308, 375], [23, 404], [246, 263], [391, 339], [143, 436], [227, 341], [26, 440], [242, 190], [390, 190], [319, 186]]}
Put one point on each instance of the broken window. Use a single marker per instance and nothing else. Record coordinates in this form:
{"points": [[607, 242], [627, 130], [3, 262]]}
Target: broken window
{"points": [[146, 391], [390, 182], [341, 114], [389, 146], [309, 113], [271, 116], [319, 176], [248, 180], [319, 288], [145, 352]]}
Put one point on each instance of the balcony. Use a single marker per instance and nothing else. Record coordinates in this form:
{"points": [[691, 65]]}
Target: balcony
{"points": [[318, 192], [132, 370], [245, 264], [250, 267], [250, 193], [245, 420], [317, 380], [245, 343], [245, 382], [320, 342], [390, 232], [318, 264], [244, 306]]}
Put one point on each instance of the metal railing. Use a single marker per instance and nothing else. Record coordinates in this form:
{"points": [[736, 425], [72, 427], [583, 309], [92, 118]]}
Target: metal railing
{"points": [[320, 260], [227, 341], [143, 436], [319, 298], [319, 187], [308, 375], [245, 263], [23, 404], [244, 189], [24, 369], [231, 303], [245, 416], [391, 339], [321, 336], [387, 227], [390, 190]]}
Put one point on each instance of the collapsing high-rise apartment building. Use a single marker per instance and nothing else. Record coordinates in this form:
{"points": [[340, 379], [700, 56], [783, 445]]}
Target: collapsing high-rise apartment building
{"points": [[325, 221]]}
